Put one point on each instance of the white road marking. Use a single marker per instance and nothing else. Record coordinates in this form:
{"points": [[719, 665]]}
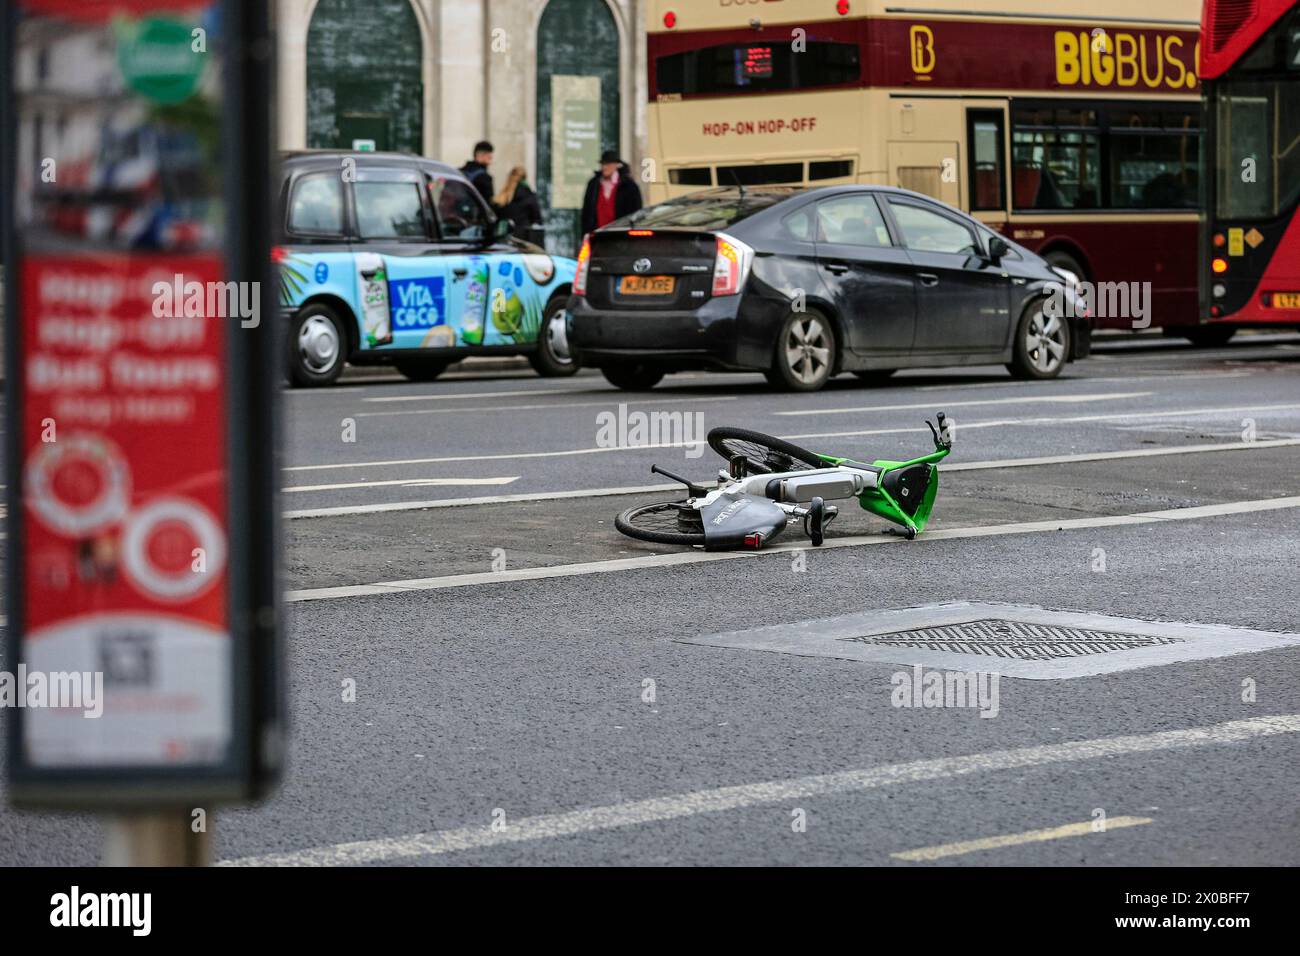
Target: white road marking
{"points": [[405, 482], [998, 423], [673, 559], [1017, 400], [483, 500], [1031, 387], [453, 396], [773, 792], [1113, 455], [546, 406], [1068, 420], [928, 853], [646, 489]]}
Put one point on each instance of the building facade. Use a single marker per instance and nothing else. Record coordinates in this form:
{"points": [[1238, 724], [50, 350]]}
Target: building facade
{"points": [[550, 82]]}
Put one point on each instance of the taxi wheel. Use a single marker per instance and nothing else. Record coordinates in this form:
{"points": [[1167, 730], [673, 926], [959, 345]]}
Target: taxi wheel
{"points": [[422, 370], [317, 347], [554, 357]]}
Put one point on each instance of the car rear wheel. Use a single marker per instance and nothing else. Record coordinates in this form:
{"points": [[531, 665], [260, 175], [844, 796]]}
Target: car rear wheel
{"points": [[805, 352], [633, 377], [1042, 343], [316, 347], [421, 370], [554, 358]]}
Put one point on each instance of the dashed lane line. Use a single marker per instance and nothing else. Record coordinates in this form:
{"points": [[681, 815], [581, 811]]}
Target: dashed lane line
{"points": [[548, 406], [997, 423], [550, 826]]}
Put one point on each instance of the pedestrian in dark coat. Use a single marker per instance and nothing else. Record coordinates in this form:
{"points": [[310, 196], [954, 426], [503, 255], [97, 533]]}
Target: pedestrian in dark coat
{"points": [[611, 194], [476, 170], [518, 203]]}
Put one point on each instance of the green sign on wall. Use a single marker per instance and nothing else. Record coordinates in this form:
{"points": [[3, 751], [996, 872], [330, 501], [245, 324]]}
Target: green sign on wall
{"points": [[575, 137], [159, 59]]}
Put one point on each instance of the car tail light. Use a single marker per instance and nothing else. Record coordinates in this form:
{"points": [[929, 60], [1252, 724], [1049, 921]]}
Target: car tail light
{"points": [[640, 232], [279, 253], [1219, 265], [584, 260], [730, 265]]}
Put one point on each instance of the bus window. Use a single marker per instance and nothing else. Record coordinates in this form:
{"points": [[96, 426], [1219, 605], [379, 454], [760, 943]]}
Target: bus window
{"points": [[1154, 159], [1056, 159], [765, 67], [691, 176], [987, 175], [830, 169]]}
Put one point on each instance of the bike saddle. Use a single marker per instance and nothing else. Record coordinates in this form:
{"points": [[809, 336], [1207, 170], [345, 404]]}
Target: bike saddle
{"points": [[907, 486]]}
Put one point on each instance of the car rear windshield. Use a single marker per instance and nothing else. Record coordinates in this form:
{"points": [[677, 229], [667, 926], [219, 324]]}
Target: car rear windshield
{"points": [[704, 212]]}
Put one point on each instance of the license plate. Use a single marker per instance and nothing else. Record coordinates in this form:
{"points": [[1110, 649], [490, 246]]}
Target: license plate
{"points": [[647, 285], [1286, 300]]}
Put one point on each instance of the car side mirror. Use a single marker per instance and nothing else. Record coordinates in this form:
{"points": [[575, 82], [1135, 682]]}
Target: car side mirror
{"points": [[997, 249]]}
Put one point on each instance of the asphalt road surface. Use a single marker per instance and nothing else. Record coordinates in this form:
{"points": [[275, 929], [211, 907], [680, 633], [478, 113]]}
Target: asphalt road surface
{"points": [[526, 692]]}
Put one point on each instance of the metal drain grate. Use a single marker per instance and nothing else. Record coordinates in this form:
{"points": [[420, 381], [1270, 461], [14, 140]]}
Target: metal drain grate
{"points": [[1015, 641], [1020, 640]]}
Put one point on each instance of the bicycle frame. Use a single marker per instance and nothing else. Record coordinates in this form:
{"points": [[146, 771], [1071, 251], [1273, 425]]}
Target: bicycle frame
{"points": [[879, 501]]}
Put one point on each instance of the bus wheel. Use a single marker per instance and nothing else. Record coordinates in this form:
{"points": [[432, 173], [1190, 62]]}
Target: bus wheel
{"points": [[1066, 262], [1208, 336]]}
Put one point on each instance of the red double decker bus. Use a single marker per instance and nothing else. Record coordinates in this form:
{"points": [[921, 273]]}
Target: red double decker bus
{"points": [[1250, 68]]}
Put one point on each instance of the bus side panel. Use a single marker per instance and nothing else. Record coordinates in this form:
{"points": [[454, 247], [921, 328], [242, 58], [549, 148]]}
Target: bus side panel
{"points": [[1151, 258]]}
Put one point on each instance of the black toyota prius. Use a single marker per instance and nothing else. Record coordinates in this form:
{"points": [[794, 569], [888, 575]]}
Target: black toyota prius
{"points": [[803, 284]]}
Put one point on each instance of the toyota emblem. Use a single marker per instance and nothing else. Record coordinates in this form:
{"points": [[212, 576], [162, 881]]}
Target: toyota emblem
{"points": [[641, 265]]}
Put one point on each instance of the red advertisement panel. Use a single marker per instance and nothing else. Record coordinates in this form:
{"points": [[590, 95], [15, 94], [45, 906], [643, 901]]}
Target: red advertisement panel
{"points": [[124, 507]]}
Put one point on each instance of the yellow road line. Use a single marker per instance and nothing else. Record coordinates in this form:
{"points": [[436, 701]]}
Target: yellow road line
{"points": [[1015, 839]]}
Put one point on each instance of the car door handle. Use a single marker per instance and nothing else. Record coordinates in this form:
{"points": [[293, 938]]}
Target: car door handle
{"points": [[460, 272], [836, 268], [928, 278]]}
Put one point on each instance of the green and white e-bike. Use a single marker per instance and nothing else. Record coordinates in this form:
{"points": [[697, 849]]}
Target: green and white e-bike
{"points": [[769, 482]]}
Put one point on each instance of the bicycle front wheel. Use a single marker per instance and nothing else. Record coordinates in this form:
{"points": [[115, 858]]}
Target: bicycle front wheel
{"points": [[763, 454], [666, 522]]}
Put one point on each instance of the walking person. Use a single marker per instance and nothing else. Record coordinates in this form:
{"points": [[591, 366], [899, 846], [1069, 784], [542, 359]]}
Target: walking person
{"points": [[476, 170], [611, 194], [518, 203]]}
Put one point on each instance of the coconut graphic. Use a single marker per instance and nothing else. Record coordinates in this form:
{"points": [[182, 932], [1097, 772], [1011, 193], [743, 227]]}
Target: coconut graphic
{"points": [[439, 337], [541, 268], [507, 313]]}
